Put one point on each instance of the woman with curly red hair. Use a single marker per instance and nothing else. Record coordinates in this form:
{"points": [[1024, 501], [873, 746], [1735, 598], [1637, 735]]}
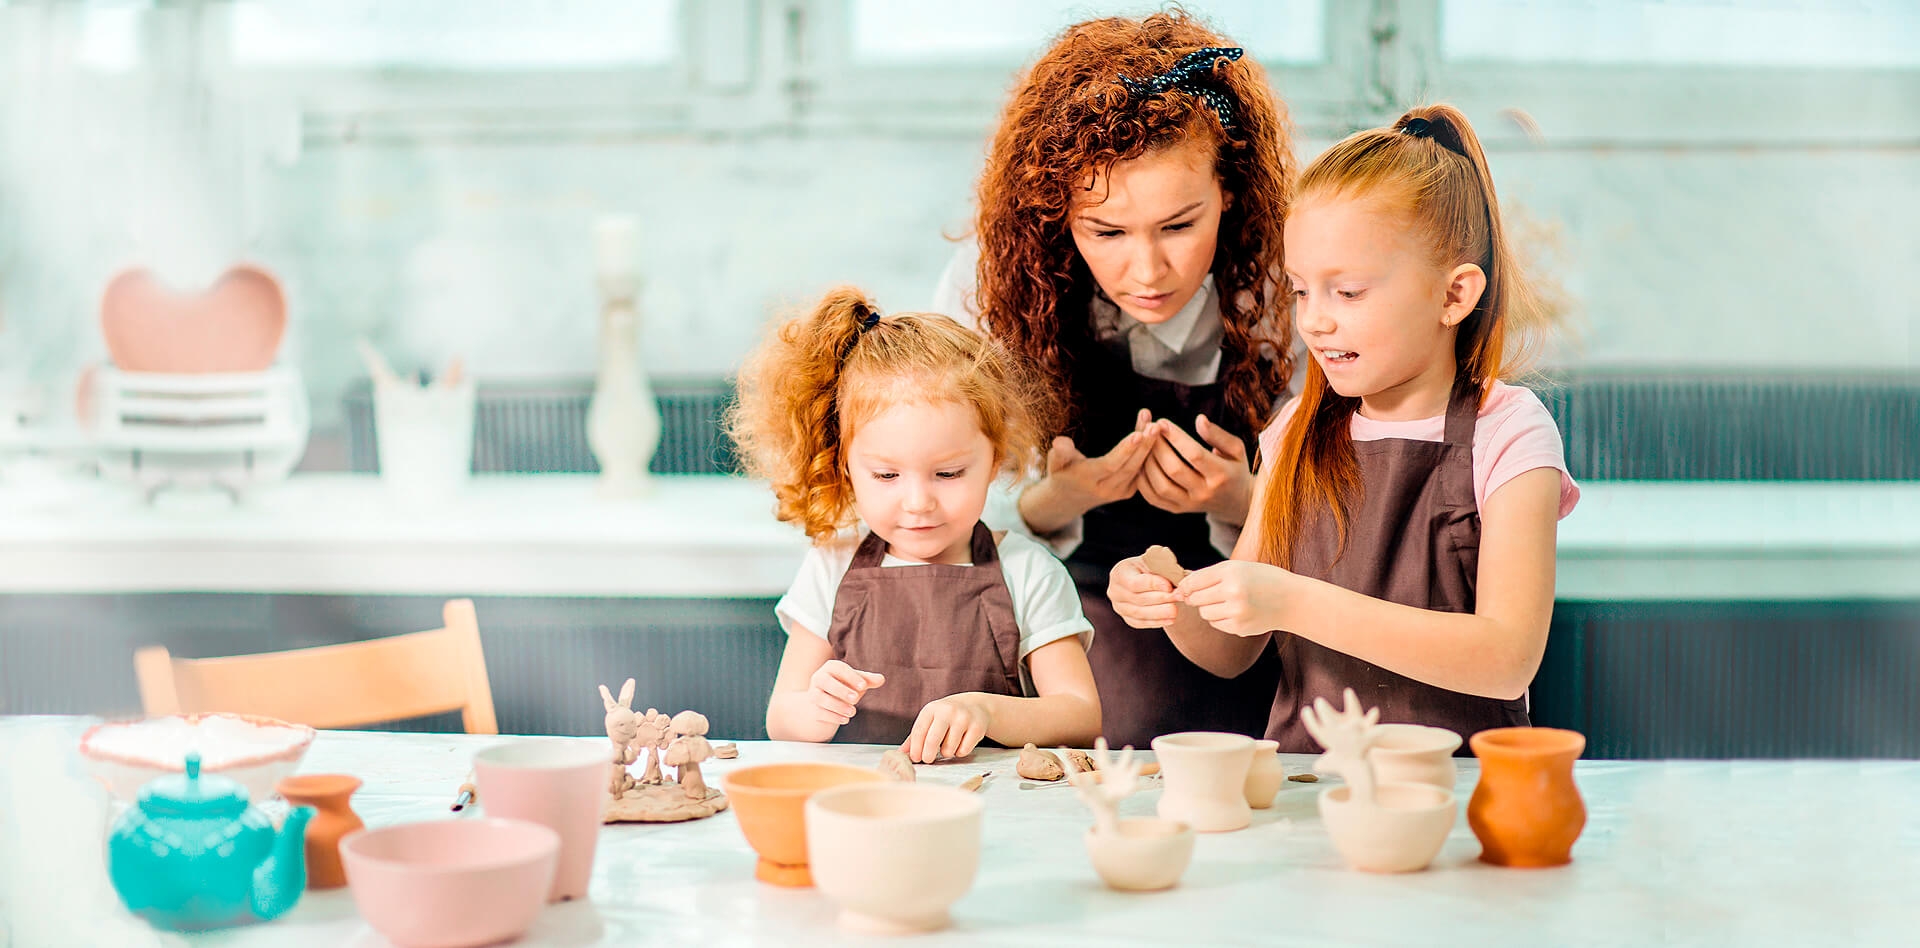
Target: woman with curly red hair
{"points": [[1128, 245]]}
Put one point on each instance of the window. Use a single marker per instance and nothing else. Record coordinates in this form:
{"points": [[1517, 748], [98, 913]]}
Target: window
{"points": [[454, 34]]}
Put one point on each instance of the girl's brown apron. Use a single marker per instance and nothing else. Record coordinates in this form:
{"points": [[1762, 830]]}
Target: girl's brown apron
{"points": [[934, 630], [1414, 540], [1147, 688]]}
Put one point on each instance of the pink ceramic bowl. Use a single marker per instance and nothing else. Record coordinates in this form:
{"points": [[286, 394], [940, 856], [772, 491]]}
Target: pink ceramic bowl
{"points": [[451, 883]]}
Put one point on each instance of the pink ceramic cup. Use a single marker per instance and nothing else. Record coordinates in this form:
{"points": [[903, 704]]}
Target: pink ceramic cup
{"points": [[559, 784]]}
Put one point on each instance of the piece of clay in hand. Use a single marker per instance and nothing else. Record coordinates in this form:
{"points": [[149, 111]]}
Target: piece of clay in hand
{"points": [[896, 765], [1160, 562], [1036, 764]]}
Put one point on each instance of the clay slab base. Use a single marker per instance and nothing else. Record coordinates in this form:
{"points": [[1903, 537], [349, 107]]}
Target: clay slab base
{"points": [[662, 803]]}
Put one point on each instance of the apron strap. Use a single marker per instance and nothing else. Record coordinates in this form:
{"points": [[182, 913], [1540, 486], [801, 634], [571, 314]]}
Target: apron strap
{"points": [[1463, 409], [871, 553], [985, 553]]}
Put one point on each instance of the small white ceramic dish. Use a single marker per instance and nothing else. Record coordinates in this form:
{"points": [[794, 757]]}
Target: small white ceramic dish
{"points": [[256, 751]]}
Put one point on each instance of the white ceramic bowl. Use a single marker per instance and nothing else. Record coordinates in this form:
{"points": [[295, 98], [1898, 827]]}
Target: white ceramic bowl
{"points": [[1142, 855], [1402, 833], [255, 751], [1414, 753], [893, 856], [451, 883]]}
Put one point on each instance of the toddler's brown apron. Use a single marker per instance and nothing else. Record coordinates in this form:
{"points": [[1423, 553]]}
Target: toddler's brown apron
{"points": [[1414, 540], [934, 630]]}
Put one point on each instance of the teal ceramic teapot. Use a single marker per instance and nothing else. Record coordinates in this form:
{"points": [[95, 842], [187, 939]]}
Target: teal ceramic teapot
{"points": [[192, 855]]}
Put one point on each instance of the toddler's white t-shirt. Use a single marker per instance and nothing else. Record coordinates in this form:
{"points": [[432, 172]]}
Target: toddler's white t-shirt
{"points": [[1046, 605]]}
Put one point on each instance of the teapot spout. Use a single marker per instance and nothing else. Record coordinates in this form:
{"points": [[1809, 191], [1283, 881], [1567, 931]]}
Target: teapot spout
{"points": [[279, 881]]}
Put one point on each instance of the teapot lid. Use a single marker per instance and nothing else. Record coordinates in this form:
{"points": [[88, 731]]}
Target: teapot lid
{"points": [[193, 795]]}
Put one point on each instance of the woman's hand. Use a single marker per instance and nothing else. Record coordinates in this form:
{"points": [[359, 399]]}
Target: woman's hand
{"points": [[836, 687], [1239, 597], [949, 727], [1182, 475], [1142, 598], [1076, 483]]}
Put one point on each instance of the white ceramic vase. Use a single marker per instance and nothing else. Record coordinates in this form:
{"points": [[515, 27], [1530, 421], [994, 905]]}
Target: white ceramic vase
{"points": [[623, 419], [1206, 777]]}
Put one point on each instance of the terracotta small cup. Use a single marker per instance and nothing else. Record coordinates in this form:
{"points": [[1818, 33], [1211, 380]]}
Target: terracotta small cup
{"points": [[333, 818], [770, 801], [561, 785], [1526, 809], [1415, 753]]}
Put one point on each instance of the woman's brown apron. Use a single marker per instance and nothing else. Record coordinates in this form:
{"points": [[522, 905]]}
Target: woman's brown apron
{"points": [[1147, 688], [934, 630], [1414, 540]]}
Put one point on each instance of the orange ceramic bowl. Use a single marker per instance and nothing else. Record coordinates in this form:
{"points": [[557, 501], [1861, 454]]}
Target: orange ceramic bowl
{"points": [[451, 883], [770, 801]]}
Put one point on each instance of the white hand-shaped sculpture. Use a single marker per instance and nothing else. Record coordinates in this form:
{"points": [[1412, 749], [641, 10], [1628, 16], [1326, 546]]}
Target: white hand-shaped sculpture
{"points": [[1113, 779], [1346, 735]]}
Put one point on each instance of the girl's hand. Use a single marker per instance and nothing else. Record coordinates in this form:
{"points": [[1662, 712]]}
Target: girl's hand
{"points": [[1182, 475], [1076, 483], [836, 687], [1141, 597], [949, 727], [1239, 597]]}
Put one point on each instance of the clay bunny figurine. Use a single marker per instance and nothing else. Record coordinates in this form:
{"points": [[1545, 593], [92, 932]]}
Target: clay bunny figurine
{"points": [[1112, 780], [688, 749], [622, 727], [655, 730]]}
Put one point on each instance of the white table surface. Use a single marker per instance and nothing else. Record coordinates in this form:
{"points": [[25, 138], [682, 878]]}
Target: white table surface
{"points": [[710, 536], [1674, 853]]}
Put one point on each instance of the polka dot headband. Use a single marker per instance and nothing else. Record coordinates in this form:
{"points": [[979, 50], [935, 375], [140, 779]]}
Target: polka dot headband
{"points": [[1193, 74]]}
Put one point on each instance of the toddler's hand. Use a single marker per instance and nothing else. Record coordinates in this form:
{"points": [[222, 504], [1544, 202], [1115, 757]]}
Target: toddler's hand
{"points": [[949, 727], [836, 687], [1142, 598]]}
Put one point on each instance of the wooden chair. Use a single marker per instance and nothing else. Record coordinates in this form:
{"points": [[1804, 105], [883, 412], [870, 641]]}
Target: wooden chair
{"points": [[334, 686]]}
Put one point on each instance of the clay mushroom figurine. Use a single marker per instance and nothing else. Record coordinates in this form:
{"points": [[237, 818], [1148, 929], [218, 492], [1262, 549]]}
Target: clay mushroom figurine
{"points": [[688, 750], [655, 730], [622, 726]]}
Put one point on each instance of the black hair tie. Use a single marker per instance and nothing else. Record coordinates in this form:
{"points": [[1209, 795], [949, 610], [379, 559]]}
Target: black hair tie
{"points": [[1418, 128], [869, 317], [1193, 74]]}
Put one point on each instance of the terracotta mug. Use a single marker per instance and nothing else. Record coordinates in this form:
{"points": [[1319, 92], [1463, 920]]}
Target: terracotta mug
{"points": [[332, 819], [1526, 810], [561, 785]]}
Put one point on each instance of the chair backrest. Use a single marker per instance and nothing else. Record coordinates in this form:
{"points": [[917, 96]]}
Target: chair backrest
{"points": [[404, 676]]}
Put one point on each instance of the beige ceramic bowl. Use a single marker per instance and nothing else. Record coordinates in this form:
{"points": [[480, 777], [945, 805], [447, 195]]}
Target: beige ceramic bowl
{"points": [[770, 802], [893, 856], [254, 750], [1415, 753], [451, 883], [1402, 833], [1143, 855]]}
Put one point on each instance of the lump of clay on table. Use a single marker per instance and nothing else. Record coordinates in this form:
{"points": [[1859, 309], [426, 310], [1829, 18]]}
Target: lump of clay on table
{"points": [[1082, 761], [1036, 764], [896, 765], [1159, 561]]}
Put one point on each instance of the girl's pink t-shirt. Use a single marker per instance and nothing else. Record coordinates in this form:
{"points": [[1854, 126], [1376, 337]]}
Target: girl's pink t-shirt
{"points": [[1514, 434]]}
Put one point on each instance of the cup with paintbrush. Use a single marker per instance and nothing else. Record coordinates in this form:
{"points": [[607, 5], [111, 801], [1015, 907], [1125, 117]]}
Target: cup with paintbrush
{"points": [[423, 432]]}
